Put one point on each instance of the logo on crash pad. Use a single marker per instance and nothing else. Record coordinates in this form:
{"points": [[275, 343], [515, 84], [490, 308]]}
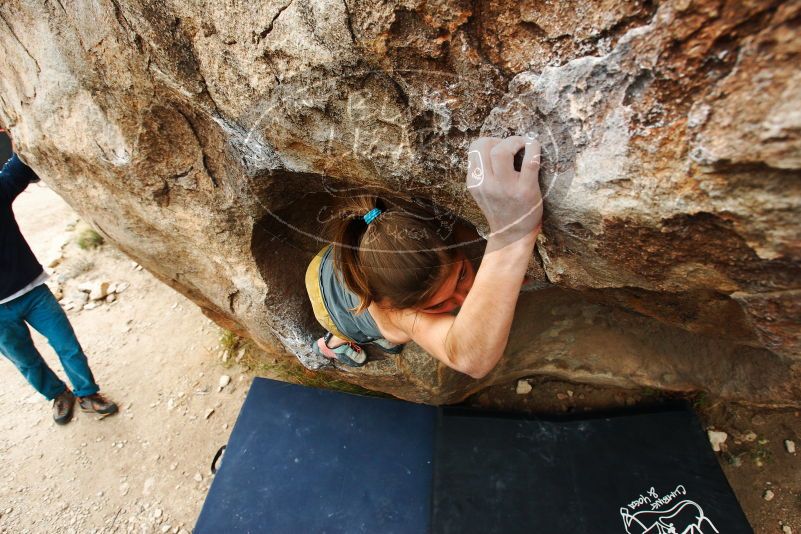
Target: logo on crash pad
{"points": [[670, 513]]}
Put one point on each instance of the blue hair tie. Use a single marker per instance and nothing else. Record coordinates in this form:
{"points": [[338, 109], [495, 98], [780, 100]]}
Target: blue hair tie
{"points": [[371, 215]]}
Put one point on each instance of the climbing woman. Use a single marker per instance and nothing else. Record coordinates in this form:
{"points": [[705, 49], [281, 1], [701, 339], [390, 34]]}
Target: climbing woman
{"points": [[389, 277]]}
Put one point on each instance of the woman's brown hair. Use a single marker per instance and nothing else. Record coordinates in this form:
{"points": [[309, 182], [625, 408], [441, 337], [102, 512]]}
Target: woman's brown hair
{"points": [[398, 260]]}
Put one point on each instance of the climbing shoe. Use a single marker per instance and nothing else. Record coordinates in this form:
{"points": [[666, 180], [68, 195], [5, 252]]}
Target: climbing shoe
{"points": [[348, 353]]}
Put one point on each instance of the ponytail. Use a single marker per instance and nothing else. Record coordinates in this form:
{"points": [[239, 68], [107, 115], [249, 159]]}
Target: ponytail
{"points": [[396, 260], [347, 231]]}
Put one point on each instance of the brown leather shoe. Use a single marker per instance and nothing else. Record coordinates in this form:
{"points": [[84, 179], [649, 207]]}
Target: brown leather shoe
{"points": [[63, 406], [98, 404]]}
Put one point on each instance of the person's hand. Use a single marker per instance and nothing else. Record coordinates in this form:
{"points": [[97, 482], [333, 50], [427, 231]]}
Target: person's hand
{"points": [[510, 200]]}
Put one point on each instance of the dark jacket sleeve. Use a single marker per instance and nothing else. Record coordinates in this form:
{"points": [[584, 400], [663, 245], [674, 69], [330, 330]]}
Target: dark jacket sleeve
{"points": [[14, 178]]}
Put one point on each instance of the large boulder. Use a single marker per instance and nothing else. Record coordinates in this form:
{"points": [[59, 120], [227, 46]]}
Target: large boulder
{"points": [[208, 140]]}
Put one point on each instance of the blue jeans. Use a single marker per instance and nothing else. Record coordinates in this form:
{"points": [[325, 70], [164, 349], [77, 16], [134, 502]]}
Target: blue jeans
{"points": [[40, 309]]}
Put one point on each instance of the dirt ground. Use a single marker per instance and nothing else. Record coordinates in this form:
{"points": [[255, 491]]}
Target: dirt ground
{"points": [[147, 468]]}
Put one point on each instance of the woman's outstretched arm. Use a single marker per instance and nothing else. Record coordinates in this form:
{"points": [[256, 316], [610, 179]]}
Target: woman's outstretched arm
{"points": [[474, 341]]}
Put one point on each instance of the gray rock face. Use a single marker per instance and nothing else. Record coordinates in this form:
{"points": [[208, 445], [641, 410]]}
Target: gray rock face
{"points": [[208, 140]]}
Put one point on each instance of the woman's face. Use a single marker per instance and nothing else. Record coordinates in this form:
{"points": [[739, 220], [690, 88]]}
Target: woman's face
{"points": [[453, 289]]}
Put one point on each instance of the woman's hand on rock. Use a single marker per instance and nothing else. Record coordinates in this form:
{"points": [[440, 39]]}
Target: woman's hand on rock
{"points": [[510, 200]]}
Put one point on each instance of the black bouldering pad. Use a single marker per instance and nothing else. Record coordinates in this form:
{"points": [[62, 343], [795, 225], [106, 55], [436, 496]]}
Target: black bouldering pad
{"points": [[5, 148], [650, 473], [308, 460]]}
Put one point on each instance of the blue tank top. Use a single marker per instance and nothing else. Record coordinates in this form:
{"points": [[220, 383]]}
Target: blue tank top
{"points": [[339, 299]]}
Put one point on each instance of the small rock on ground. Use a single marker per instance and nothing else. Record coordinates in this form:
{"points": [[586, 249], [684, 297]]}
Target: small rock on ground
{"points": [[224, 381], [716, 439]]}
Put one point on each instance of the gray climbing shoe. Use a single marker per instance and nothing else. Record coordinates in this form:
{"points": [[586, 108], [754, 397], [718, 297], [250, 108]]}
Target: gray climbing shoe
{"points": [[348, 353]]}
